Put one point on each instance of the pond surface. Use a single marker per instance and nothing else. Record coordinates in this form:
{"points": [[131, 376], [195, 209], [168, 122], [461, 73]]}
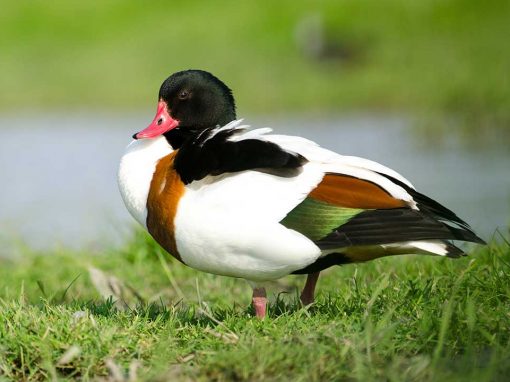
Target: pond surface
{"points": [[58, 172]]}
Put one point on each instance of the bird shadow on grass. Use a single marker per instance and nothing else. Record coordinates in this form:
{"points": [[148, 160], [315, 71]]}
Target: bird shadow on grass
{"points": [[119, 299], [186, 313]]}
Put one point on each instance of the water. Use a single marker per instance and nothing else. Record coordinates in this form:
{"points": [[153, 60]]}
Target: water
{"points": [[58, 173]]}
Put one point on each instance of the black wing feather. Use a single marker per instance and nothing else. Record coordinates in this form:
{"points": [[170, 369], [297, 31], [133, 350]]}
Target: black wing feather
{"points": [[428, 205], [385, 226], [215, 154]]}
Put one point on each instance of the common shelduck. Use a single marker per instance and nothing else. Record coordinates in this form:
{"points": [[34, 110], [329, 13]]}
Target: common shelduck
{"points": [[225, 199]]}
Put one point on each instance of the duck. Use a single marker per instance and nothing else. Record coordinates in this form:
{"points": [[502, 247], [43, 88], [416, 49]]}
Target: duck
{"points": [[227, 199]]}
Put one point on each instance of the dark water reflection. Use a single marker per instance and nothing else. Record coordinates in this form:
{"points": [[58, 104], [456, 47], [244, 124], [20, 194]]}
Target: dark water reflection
{"points": [[58, 173]]}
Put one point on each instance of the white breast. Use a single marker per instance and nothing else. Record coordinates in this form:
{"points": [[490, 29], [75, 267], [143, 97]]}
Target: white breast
{"points": [[136, 169]]}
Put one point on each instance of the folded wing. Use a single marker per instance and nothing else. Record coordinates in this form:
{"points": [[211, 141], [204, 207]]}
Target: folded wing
{"points": [[349, 217]]}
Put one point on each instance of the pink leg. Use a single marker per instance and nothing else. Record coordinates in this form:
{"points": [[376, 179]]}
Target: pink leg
{"points": [[259, 301], [308, 294]]}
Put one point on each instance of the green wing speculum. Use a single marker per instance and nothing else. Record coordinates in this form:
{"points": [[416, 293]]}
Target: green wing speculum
{"points": [[316, 219]]}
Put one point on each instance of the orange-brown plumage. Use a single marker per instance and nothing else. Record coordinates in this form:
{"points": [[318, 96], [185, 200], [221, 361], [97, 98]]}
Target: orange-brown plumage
{"points": [[165, 191], [350, 192]]}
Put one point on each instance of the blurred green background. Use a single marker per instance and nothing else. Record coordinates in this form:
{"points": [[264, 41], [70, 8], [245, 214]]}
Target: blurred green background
{"points": [[78, 78], [427, 58]]}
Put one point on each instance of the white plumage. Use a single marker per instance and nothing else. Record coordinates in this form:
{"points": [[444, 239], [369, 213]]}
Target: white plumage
{"points": [[230, 224]]}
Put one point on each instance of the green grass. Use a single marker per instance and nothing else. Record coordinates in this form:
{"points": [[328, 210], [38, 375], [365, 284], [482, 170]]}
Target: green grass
{"points": [[429, 58], [405, 318]]}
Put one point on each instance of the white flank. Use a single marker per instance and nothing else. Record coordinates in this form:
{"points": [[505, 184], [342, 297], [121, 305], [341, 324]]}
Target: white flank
{"points": [[136, 169], [229, 224], [238, 246]]}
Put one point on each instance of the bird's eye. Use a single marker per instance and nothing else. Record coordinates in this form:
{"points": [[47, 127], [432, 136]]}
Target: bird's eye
{"points": [[184, 94]]}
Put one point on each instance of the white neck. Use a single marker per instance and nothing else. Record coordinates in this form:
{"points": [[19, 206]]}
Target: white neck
{"points": [[136, 169]]}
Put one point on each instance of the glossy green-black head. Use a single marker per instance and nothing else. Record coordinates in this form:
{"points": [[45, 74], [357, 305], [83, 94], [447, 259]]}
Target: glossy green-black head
{"points": [[191, 100]]}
